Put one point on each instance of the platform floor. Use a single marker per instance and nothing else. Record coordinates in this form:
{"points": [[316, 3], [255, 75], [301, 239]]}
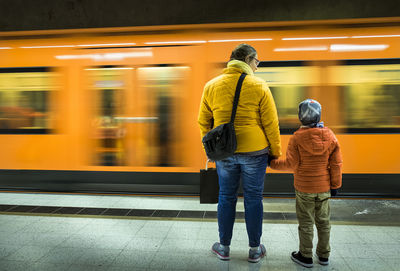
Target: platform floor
{"points": [[40, 241]]}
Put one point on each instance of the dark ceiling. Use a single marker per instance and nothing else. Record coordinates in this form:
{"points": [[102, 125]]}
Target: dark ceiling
{"points": [[66, 14]]}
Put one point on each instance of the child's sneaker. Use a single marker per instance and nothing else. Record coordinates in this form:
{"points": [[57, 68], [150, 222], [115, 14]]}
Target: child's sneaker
{"points": [[256, 255], [222, 252], [300, 259], [323, 261]]}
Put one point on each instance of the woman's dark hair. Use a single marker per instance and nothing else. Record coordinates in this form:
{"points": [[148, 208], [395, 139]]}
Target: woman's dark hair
{"points": [[242, 51]]}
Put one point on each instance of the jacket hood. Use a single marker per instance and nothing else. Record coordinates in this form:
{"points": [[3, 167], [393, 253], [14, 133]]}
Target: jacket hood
{"points": [[238, 66], [315, 140]]}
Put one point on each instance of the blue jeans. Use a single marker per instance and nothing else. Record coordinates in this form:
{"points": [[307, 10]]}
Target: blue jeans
{"points": [[252, 171]]}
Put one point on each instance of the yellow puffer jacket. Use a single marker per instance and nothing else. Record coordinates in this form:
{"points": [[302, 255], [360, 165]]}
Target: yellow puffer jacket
{"points": [[256, 122]]}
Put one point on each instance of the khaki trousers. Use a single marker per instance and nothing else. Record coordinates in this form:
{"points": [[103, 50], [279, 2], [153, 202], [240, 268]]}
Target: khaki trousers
{"points": [[313, 208]]}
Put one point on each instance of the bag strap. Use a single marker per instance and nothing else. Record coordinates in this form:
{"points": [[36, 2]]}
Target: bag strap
{"points": [[237, 94]]}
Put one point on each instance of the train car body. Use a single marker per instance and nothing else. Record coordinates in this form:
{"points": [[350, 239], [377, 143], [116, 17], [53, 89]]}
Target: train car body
{"points": [[115, 110]]}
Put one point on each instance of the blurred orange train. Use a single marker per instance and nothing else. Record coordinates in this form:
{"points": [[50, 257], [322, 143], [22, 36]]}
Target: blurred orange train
{"points": [[115, 109]]}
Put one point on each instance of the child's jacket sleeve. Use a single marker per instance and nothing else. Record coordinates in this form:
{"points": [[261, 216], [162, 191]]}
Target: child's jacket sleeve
{"points": [[335, 167], [292, 158]]}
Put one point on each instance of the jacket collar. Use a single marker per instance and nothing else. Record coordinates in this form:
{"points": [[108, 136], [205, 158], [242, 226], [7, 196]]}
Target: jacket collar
{"points": [[238, 66]]}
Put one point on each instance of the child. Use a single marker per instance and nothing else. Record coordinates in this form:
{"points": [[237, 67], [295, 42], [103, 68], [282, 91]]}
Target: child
{"points": [[314, 156]]}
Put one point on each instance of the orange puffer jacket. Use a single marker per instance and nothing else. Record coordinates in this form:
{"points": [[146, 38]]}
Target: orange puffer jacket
{"points": [[314, 156]]}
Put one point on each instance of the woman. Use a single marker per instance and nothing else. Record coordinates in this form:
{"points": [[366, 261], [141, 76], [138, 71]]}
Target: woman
{"points": [[257, 134]]}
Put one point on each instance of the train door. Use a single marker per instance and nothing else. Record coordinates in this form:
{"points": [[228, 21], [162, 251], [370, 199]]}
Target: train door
{"points": [[136, 115], [155, 128], [108, 91]]}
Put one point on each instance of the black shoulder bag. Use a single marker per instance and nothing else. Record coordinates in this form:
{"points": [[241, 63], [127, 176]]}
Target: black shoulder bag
{"points": [[220, 142]]}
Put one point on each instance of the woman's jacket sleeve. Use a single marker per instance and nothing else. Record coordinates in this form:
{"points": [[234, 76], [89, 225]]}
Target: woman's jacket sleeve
{"points": [[205, 114], [270, 123]]}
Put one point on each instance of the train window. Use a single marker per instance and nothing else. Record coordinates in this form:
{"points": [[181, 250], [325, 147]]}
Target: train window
{"points": [[370, 96], [24, 100], [289, 84]]}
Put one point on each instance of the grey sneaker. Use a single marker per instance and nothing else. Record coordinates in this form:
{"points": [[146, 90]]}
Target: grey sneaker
{"points": [[256, 255], [222, 253]]}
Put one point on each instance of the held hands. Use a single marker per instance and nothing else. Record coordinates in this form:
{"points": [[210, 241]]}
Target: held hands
{"points": [[270, 158], [333, 192]]}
